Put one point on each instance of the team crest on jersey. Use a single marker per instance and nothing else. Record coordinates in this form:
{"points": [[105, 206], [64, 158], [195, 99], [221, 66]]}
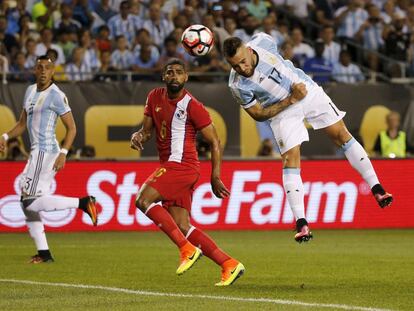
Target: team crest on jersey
{"points": [[281, 144], [181, 114]]}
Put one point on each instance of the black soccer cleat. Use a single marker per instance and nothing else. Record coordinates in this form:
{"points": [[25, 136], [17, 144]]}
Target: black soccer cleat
{"points": [[382, 197], [87, 204], [303, 233]]}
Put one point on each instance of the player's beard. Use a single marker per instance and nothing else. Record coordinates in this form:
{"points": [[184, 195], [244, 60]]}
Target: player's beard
{"points": [[174, 87]]}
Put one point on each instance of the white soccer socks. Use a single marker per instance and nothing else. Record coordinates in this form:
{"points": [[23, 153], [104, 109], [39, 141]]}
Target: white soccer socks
{"points": [[37, 232], [359, 160], [292, 182]]}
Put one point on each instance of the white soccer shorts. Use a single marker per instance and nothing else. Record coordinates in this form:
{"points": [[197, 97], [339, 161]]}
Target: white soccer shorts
{"points": [[317, 108], [38, 174]]}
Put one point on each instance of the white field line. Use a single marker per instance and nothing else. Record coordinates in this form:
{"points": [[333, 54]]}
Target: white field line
{"points": [[197, 296]]}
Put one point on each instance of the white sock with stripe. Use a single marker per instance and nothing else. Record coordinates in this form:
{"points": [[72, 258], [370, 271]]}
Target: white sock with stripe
{"points": [[360, 161], [50, 203], [292, 182], [37, 232]]}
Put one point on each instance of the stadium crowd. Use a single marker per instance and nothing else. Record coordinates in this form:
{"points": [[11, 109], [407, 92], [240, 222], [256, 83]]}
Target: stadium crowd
{"points": [[93, 39]]}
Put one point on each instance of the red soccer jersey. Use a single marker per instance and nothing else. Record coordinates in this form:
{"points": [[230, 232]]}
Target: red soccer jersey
{"points": [[176, 124]]}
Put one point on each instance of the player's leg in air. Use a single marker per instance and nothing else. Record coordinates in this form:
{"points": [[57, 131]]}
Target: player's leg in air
{"points": [[189, 254], [293, 185], [231, 269], [359, 160]]}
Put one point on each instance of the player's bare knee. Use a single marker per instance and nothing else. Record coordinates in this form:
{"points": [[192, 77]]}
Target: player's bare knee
{"points": [[184, 226], [142, 203]]}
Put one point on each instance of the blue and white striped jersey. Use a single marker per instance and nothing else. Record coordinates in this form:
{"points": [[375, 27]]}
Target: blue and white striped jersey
{"points": [[272, 78], [42, 109]]}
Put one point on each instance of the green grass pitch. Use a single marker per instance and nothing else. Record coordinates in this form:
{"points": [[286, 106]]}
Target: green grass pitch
{"points": [[352, 268]]}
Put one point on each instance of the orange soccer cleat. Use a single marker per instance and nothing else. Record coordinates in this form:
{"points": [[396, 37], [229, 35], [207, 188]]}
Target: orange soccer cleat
{"points": [[188, 257], [231, 270]]}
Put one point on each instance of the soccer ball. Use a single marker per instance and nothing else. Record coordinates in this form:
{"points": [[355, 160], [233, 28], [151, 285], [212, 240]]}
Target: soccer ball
{"points": [[197, 40]]}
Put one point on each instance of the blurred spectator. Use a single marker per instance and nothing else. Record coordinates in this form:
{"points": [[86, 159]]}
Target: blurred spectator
{"points": [[181, 21], [124, 23], [230, 25], [318, 67], [104, 10], [65, 43], [18, 71], [66, 23], [346, 72], [31, 56], [247, 31], [324, 12], [392, 142], [396, 39], [370, 33], [349, 18], [220, 34], [14, 15], [105, 72], [257, 8], [143, 38], [43, 13], [217, 12], [91, 58], [103, 43], [77, 70], [169, 51], [269, 27], [212, 62], [87, 151], [397, 43], [122, 58], [302, 51], [82, 13], [332, 48], [300, 8], [144, 62], [27, 30], [46, 36], [59, 69], [286, 50], [266, 149], [158, 27], [15, 150], [9, 41]]}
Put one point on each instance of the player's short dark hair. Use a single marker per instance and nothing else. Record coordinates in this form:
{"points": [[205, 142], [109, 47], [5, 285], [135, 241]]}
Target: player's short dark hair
{"points": [[43, 57], [174, 61], [231, 45]]}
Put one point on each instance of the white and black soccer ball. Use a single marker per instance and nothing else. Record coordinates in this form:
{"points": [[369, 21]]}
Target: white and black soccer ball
{"points": [[197, 40]]}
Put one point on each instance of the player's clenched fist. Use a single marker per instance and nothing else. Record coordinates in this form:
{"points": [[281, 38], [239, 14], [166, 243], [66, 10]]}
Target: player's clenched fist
{"points": [[136, 141], [298, 92]]}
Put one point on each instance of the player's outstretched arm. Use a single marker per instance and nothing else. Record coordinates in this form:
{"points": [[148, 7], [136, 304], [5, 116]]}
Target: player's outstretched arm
{"points": [[16, 131], [259, 113], [70, 126], [143, 135], [210, 135]]}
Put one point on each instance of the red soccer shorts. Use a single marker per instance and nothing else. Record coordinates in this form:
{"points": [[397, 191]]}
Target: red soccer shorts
{"points": [[175, 182]]}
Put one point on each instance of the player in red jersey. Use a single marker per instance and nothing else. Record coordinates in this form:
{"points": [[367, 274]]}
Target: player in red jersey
{"points": [[176, 117]]}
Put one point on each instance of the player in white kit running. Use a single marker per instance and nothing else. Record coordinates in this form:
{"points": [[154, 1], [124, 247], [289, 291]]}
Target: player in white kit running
{"points": [[267, 87], [43, 103]]}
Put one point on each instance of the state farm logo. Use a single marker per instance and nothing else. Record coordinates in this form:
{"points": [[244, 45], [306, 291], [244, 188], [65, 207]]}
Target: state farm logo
{"points": [[253, 202]]}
